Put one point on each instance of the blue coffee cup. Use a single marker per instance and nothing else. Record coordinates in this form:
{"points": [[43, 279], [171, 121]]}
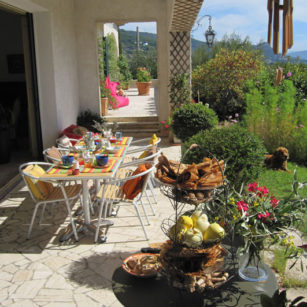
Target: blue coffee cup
{"points": [[102, 160], [67, 160]]}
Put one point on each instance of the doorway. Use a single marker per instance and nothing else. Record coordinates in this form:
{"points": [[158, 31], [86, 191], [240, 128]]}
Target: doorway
{"points": [[20, 134]]}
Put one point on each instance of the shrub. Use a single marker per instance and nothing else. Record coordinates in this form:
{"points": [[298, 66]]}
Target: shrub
{"points": [[111, 50], [274, 114], [242, 151], [87, 119], [125, 74], [221, 80], [191, 118], [297, 73]]}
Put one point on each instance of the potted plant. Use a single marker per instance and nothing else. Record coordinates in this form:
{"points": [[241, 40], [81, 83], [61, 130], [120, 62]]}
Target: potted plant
{"points": [[143, 81], [4, 136], [105, 97]]}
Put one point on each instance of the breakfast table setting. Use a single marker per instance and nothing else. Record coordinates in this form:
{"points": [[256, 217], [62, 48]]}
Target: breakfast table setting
{"points": [[94, 158]]}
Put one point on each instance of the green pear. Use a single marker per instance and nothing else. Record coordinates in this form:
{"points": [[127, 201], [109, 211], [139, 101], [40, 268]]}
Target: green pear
{"points": [[180, 230], [193, 238], [214, 231]]}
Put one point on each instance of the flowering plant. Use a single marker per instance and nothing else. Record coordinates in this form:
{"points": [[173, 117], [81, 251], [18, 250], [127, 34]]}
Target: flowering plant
{"points": [[143, 75], [257, 215]]}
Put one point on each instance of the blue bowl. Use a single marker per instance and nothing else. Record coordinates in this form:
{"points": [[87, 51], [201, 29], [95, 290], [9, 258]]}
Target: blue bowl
{"points": [[67, 160], [102, 160]]}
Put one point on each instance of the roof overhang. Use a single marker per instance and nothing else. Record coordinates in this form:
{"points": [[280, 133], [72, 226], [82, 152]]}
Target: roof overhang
{"points": [[184, 14]]}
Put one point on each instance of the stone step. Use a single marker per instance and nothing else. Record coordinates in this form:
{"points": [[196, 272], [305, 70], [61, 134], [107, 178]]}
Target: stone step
{"points": [[121, 119], [138, 129]]}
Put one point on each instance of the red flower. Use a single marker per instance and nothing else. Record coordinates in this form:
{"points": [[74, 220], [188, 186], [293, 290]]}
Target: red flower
{"points": [[274, 201], [242, 206], [263, 191], [261, 216], [252, 187]]}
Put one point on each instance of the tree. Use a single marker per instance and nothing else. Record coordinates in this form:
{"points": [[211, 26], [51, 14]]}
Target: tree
{"points": [[111, 53], [220, 81], [144, 58], [231, 43]]}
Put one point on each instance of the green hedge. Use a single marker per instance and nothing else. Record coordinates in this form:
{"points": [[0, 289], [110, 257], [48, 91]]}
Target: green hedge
{"points": [[242, 151], [191, 118]]}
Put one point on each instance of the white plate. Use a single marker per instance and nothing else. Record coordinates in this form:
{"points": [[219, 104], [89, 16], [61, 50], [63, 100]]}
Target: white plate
{"points": [[113, 149]]}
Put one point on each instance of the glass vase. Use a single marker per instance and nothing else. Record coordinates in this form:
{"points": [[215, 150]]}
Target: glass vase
{"points": [[251, 268]]}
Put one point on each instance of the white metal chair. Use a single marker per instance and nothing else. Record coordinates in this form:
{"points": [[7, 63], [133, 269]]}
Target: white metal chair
{"points": [[112, 190], [124, 172], [140, 142], [66, 143], [45, 192], [54, 154]]}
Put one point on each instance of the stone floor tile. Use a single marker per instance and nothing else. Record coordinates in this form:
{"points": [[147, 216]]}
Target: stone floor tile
{"points": [[62, 304], [83, 300], [11, 268], [22, 275], [104, 296], [4, 284], [8, 258], [5, 276], [296, 272], [29, 289], [103, 248], [57, 281], [13, 288], [4, 293], [294, 293], [56, 262], [54, 295], [22, 263], [8, 302], [40, 271], [24, 303]]}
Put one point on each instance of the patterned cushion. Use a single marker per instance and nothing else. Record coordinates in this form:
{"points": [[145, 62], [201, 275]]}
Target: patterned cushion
{"points": [[39, 189]]}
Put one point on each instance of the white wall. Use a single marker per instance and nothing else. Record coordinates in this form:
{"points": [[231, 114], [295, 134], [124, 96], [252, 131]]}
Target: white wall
{"points": [[54, 30], [89, 13], [66, 51], [11, 43]]}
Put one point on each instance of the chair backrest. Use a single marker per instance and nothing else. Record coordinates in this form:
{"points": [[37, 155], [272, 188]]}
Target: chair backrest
{"points": [[31, 173], [137, 181], [134, 185], [53, 154]]}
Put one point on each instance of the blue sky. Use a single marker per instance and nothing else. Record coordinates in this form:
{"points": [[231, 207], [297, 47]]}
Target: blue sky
{"points": [[243, 17]]}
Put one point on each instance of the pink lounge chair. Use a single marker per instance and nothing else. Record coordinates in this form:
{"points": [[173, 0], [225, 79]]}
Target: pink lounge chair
{"points": [[121, 101]]}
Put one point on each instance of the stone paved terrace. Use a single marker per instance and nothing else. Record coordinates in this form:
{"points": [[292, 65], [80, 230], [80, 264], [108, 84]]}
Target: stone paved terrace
{"points": [[139, 106], [43, 272]]}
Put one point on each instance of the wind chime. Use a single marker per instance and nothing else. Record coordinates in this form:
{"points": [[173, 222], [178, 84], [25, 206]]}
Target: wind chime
{"points": [[274, 7]]}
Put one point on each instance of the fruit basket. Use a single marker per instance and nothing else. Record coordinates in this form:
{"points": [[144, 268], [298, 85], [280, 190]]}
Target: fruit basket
{"points": [[193, 257]]}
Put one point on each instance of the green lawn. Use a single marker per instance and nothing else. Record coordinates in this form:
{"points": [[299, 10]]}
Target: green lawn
{"points": [[280, 184]]}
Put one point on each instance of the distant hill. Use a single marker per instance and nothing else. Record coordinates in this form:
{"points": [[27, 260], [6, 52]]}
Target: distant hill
{"points": [[128, 41], [301, 54], [272, 58]]}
